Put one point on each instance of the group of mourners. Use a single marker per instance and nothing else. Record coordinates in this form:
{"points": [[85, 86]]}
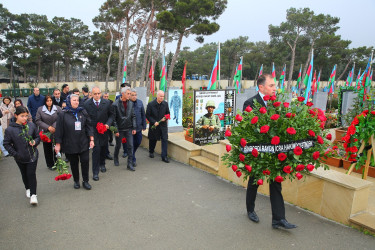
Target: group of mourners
{"points": [[77, 124]]}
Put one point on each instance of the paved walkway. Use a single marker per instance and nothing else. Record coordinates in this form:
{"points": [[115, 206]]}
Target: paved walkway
{"points": [[159, 206]]}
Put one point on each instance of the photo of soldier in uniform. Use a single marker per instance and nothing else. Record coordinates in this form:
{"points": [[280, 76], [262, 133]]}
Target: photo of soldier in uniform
{"points": [[175, 106]]}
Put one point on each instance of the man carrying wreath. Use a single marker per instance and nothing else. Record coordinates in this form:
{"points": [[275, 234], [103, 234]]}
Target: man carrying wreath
{"points": [[267, 87], [156, 114]]}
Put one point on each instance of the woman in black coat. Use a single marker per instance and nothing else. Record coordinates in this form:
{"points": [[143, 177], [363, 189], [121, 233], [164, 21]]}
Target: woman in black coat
{"points": [[46, 118], [74, 136], [21, 141]]}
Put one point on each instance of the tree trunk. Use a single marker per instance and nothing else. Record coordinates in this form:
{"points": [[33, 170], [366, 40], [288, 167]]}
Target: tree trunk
{"points": [[342, 74], [108, 61], [39, 67], [58, 71], [11, 71], [53, 70], [149, 61], [174, 58], [291, 68], [147, 45], [307, 61]]}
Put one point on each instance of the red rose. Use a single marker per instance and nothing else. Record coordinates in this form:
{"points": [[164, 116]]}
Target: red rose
{"points": [[373, 112], [287, 169], [310, 167], [248, 109], [299, 176], [320, 139], [286, 104], [260, 182], [167, 116], [266, 172], [288, 115], [254, 120], [297, 150], [291, 131], [266, 97], [228, 147], [228, 133], [248, 168], [234, 168], [312, 112], [238, 117], [355, 121], [264, 129], [311, 133], [101, 128], [322, 118], [254, 152], [322, 125], [273, 98], [366, 111], [238, 173], [243, 142], [241, 157], [263, 110], [300, 167], [354, 149], [275, 140], [351, 130], [279, 179], [335, 147], [123, 140], [275, 117], [301, 98], [316, 155], [57, 178], [276, 104], [329, 137], [281, 156], [309, 104]]}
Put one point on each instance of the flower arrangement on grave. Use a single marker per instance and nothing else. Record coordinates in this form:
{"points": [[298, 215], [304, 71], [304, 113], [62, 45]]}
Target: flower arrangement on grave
{"points": [[282, 140]]}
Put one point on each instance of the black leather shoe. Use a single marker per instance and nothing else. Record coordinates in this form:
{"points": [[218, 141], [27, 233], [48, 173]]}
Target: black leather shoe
{"points": [[86, 185], [95, 177], [125, 155], [282, 223], [151, 155], [116, 162], [76, 185], [109, 157], [165, 159], [253, 216], [130, 167], [103, 169]]}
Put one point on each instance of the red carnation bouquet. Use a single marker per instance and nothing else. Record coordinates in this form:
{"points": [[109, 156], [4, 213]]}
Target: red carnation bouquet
{"points": [[123, 140], [45, 136], [280, 141], [166, 117], [101, 128], [62, 169]]}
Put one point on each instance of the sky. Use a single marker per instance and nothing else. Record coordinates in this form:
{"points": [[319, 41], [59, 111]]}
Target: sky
{"points": [[241, 17]]}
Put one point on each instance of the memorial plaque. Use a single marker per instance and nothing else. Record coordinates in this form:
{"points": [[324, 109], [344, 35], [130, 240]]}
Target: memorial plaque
{"points": [[347, 104], [320, 100]]}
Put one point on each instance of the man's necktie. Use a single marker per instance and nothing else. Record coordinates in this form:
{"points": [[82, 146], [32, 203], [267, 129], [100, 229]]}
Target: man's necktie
{"points": [[97, 104]]}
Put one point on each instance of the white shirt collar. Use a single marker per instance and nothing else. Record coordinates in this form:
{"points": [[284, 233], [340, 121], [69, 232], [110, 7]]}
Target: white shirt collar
{"points": [[96, 101], [261, 95], [53, 110]]}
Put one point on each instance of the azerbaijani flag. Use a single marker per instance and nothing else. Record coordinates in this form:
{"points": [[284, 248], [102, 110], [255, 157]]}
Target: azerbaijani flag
{"points": [[350, 77], [358, 78], [308, 78], [215, 74], [273, 72], [282, 79], [124, 76], [314, 87], [163, 76], [299, 77], [183, 80], [151, 76], [238, 76], [260, 73], [318, 82], [331, 81], [366, 82]]}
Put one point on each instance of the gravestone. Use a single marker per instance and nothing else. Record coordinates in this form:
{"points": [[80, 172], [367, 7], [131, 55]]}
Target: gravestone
{"points": [[347, 104], [250, 92], [142, 95], [174, 129], [240, 100], [320, 100]]}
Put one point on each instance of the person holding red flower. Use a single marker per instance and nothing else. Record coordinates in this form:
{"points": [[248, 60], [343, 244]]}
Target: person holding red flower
{"points": [[100, 111], [267, 89], [46, 118], [156, 114]]}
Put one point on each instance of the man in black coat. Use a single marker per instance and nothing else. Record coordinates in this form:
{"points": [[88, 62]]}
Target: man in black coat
{"points": [[99, 110], [125, 122], [56, 99], [267, 86], [155, 114]]}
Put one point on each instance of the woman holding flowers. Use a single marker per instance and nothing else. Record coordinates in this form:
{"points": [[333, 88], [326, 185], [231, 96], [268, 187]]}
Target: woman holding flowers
{"points": [[21, 141], [74, 136], [46, 118]]}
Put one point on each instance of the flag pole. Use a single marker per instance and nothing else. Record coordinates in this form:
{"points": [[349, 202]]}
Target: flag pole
{"points": [[218, 73], [241, 74]]}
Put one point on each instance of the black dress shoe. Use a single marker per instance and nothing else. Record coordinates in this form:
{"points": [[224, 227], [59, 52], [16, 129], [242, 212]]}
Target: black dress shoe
{"points": [[76, 185], [109, 157], [253, 216], [116, 162], [165, 159], [282, 223], [151, 155], [125, 155], [86, 185], [95, 177], [103, 169], [130, 167]]}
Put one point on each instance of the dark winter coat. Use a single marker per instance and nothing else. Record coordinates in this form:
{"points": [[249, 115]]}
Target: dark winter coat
{"points": [[16, 144], [140, 115], [250, 102], [73, 141], [154, 113], [33, 103], [44, 119], [124, 120], [57, 103]]}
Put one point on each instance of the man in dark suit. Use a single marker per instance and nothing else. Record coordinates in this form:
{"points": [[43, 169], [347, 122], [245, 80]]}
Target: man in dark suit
{"points": [[56, 99], [99, 110], [267, 86], [156, 110]]}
